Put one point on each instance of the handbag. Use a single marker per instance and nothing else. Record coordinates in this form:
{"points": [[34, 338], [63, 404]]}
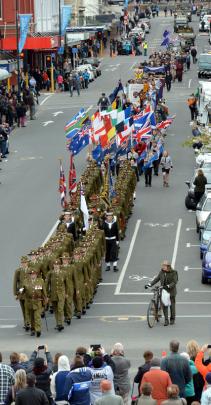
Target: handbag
{"points": [[13, 395], [134, 398], [165, 298]]}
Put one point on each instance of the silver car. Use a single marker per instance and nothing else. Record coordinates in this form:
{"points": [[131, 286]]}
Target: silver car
{"points": [[203, 210]]}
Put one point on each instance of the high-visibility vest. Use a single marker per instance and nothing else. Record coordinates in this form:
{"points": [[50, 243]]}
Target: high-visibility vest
{"points": [[145, 45]]}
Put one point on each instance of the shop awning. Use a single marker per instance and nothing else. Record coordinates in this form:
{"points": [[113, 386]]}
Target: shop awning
{"points": [[74, 38], [35, 43]]}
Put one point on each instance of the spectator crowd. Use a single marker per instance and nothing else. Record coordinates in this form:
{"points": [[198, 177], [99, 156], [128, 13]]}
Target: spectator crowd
{"points": [[94, 377]]}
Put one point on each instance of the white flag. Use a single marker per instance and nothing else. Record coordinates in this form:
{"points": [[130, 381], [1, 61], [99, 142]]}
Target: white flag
{"points": [[84, 209]]}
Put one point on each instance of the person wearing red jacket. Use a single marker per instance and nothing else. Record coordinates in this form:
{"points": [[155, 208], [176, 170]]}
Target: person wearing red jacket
{"points": [[201, 367], [140, 148], [159, 379]]}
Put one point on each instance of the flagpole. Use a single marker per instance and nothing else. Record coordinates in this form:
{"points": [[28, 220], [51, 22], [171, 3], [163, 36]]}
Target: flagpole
{"points": [[17, 46]]}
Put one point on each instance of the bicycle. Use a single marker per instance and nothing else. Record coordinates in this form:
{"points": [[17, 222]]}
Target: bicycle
{"points": [[155, 307]]}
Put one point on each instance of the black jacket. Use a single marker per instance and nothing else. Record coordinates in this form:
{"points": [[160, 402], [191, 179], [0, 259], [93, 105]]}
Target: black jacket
{"points": [[111, 232], [199, 183], [141, 371], [42, 378], [31, 396]]}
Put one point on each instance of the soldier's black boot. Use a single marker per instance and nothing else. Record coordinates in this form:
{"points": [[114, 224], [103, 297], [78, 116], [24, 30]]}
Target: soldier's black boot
{"points": [[166, 323], [116, 268], [108, 268], [78, 315], [60, 328], [32, 333], [38, 334], [27, 327], [83, 311], [68, 321], [172, 321]]}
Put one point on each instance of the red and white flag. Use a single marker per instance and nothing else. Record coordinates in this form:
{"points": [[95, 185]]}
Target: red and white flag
{"points": [[62, 187], [72, 176]]}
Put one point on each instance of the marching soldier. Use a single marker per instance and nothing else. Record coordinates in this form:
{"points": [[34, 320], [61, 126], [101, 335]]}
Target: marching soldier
{"points": [[72, 288], [111, 231], [56, 286], [35, 295], [69, 222], [18, 283]]}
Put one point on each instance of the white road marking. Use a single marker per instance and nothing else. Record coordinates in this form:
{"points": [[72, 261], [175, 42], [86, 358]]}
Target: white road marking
{"points": [[124, 269], [191, 245], [57, 113], [141, 317], [107, 284], [190, 229], [186, 268], [133, 293], [176, 243], [47, 123], [133, 65], [7, 326], [31, 158], [45, 99], [159, 225], [50, 233], [137, 277], [189, 83], [147, 303], [196, 291]]}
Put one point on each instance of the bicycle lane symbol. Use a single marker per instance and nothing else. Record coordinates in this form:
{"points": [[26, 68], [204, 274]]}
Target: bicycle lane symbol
{"points": [[137, 277]]}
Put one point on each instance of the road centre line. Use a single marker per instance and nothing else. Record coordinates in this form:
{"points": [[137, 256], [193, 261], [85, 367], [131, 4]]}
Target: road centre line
{"points": [[45, 99], [51, 232], [124, 269], [176, 243]]}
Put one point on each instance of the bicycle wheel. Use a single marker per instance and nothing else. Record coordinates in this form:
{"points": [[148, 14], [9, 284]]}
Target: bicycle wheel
{"points": [[151, 314]]}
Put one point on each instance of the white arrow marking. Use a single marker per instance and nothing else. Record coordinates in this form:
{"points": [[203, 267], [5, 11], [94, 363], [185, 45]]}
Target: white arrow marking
{"points": [[57, 113], [190, 229], [136, 277], [190, 245], [161, 225], [186, 268], [196, 291], [47, 123]]}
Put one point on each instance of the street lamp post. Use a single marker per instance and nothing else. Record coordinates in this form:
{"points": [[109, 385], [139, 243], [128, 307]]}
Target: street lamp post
{"points": [[60, 25], [17, 45]]}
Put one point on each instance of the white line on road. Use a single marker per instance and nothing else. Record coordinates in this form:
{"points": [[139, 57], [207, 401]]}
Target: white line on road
{"points": [[124, 269], [196, 291], [189, 83], [47, 123], [186, 268], [7, 326], [147, 303], [138, 316], [107, 284], [190, 245], [57, 113], [45, 99], [176, 243], [50, 233], [190, 229], [133, 65]]}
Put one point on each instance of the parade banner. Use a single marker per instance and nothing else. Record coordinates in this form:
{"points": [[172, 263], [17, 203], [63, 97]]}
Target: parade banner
{"points": [[24, 26], [66, 16]]}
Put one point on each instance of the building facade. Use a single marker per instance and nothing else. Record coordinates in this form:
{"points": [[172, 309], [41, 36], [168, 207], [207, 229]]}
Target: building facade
{"points": [[8, 15]]}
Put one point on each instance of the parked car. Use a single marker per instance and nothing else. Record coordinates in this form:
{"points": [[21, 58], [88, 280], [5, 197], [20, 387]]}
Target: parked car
{"points": [[203, 210], [206, 265], [203, 157], [95, 62], [205, 235], [82, 68], [190, 201], [204, 24]]}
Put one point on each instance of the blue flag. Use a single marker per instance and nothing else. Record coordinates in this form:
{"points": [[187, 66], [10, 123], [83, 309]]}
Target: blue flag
{"points": [[166, 33], [66, 15], [97, 154], [165, 42], [24, 26], [115, 92]]}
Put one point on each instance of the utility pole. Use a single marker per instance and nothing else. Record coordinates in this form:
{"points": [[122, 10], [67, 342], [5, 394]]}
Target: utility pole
{"points": [[60, 25], [17, 45]]}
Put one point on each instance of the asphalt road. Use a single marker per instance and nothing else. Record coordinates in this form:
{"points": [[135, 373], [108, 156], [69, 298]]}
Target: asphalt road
{"points": [[160, 227]]}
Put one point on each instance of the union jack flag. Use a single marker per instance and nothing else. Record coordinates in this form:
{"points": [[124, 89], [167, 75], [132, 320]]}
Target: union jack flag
{"points": [[62, 187]]}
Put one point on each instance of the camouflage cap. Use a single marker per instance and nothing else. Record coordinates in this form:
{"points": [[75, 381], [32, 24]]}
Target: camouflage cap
{"points": [[65, 255], [24, 259], [33, 252]]}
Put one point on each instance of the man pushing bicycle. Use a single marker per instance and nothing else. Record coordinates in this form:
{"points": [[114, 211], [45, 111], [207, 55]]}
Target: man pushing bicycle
{"points": [[168, 279]]}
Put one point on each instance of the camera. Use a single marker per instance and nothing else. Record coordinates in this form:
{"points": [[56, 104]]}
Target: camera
{"points": [[41, 347]]}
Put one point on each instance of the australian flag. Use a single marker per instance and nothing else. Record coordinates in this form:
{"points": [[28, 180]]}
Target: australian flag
{"points": [[80, 140]]}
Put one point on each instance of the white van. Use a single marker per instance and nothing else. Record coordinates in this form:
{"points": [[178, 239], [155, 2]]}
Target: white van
{"points": [[204, 103]]}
